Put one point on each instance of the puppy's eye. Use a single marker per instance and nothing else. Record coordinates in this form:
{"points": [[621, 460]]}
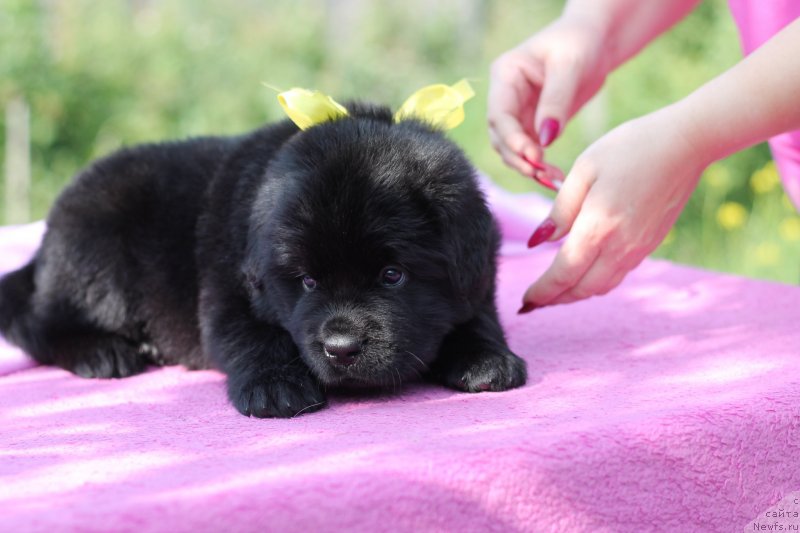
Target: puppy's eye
{"points": [[392, 277], [309, 283]]}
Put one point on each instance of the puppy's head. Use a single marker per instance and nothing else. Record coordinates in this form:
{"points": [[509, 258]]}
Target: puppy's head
{"points": [[369, 242]]}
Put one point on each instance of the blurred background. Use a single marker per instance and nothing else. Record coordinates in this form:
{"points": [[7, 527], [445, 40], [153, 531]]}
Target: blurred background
{"points": [[79, 78]]}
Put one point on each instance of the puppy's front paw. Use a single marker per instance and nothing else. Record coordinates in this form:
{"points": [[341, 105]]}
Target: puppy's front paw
{"points": [[277, 395], [485, 371], [106, 357]]}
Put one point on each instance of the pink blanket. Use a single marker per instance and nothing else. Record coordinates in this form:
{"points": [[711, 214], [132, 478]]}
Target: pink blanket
{"points": [[671, 404]]}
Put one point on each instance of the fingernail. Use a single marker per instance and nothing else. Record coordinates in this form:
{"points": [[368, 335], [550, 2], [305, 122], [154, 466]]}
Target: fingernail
{"points": [[527, 307], [542, 233], [548, 131], [541, 179], [535, 164]]}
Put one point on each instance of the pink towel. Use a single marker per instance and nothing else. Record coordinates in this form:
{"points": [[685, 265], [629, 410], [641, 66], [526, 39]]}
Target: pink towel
{"points": [[17, 244], [673, 403]]}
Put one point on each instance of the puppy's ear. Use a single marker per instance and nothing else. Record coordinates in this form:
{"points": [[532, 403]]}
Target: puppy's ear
{"points": [[252, 277], [252, 282], [255, 266], [471, 243]]}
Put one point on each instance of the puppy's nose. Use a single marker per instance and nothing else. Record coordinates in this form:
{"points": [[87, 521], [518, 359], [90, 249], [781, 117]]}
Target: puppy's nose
{"points": [[342, 349]]}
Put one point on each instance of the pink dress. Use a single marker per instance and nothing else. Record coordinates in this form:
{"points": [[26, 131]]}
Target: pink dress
{"points": [[758, 20]]}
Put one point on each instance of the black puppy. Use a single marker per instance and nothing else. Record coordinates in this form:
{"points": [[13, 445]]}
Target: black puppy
{"points": [[359, 252]]}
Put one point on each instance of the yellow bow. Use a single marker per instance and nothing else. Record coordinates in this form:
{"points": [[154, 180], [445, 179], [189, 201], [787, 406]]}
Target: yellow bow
{"points": [[439, 104], [308, 108]]}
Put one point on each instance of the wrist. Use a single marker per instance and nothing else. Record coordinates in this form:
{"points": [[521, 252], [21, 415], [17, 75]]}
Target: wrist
{"points": [[710, 129], [684, 126]]}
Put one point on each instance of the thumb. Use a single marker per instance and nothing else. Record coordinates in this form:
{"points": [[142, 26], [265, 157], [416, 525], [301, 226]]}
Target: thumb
{"points": [[566, 206], [558, 92]]}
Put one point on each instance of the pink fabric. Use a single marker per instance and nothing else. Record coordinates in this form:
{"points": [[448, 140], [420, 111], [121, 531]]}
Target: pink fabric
{"points": [[758, 20], [17, 245], [673, 403]]}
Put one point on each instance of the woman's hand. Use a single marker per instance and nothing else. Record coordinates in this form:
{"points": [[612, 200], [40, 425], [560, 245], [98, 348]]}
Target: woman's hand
{"points": [[626, 190], [537, 86], [618, 202]]}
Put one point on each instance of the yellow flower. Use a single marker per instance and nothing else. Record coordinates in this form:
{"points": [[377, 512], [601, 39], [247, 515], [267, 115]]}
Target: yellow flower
{"points": [[768, 253], [790, 229], [765, 179], [731, 215], [718, 176]]}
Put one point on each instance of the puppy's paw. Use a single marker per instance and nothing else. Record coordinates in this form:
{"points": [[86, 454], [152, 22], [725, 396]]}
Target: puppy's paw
{"points": [[107, 357], [279, 395], [485, 371]]}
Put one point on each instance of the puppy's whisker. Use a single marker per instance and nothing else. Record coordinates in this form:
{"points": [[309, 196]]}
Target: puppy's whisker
{"points": [[421, 362], [307, 407], [290, 362], [399, 380]]}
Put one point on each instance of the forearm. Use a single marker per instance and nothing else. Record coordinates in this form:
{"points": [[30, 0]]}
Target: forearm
{"points": [[627, 26], [751, 102]]}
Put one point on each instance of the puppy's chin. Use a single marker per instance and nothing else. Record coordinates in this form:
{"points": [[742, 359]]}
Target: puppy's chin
{"points": [[367, 374], [353, 378]]}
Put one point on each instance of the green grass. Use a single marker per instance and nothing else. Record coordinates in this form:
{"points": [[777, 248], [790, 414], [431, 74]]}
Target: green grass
{"points": [[99, 75]]}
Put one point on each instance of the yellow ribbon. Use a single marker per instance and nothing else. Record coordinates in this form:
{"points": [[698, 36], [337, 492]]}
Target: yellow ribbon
{"points": [[309, 108], [439, 104]]}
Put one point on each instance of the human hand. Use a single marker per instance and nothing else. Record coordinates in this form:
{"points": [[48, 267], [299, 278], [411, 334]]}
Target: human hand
{"points": [[618, 202], [537, 86]]}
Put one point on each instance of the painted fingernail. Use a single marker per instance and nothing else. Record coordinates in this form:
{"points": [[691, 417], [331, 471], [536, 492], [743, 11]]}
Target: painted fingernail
{"points": [[535, 164], [541, 179], [539, 172], [527, 307], [548, 131], [542, 233]]}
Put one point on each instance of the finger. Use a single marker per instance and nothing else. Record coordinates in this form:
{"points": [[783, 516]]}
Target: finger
{"points": [[510, 158], [513, 95], [568, 203], [614, 282], [571, 263], [548, 175], [512, 137], [604, 275], [558, 93]]}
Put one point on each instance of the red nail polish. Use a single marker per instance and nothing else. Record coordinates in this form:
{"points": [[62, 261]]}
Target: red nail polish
{"points": [[542, 180], [535, 164], [542, 233], [527, 307], [548, 131]]}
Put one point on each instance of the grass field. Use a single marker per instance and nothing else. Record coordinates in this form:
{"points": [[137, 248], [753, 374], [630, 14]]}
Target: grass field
{"points": [[99, 75]]}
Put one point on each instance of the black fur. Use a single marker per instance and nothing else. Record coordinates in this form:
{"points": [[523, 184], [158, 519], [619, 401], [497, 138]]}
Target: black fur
{"points": [[196, 253]]}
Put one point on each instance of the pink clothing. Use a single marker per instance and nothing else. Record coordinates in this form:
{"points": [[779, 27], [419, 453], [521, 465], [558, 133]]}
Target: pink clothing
{"points": [[758, 20]]}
